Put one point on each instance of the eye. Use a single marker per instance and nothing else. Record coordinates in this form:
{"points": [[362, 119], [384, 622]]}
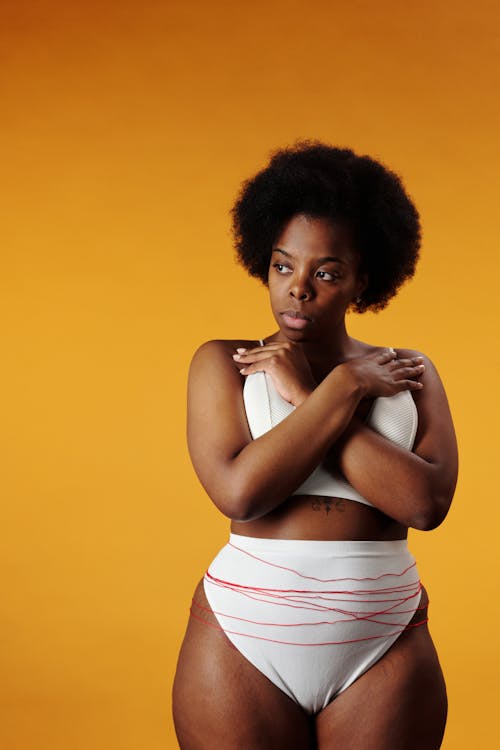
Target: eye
{"points": [[327, 276], [282, 268]]}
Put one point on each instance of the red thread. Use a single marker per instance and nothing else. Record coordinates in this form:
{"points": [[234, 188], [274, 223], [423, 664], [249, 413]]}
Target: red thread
{"points": [[319, 607], [313, 578], [326, 601], [367, 617], [392, 590], [323, 643]]}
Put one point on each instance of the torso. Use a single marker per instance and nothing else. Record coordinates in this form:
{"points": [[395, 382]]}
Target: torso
{"points": [[319, 517], [322, 518]]}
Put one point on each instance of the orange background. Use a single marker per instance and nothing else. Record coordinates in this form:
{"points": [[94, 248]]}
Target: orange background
{"points": [[126, 130]]}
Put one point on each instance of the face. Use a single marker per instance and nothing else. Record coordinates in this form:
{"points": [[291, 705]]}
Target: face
{"points": [[313, 278]]}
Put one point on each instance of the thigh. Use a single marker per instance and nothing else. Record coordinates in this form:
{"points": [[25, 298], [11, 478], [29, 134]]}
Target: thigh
{"points": [[399, 703], [220, 700]]}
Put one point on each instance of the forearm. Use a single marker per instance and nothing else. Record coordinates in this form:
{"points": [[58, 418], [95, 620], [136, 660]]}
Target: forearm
{"points": [[409, 488], [266, 471]]}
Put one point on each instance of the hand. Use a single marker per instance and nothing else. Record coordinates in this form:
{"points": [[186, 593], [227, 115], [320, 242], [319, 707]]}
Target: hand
{"points": [[383, 374], [286, 363]]}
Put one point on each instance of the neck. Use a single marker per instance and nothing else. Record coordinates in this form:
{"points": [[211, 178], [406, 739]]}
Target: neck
{"points": [[323, 354], [326, 354]]}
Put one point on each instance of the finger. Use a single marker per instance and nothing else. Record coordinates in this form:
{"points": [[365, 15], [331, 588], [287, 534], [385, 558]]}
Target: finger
{"points": [[386, 355], [409, 385], [408, 362], [272, 346], [263, 352], [251, 369], [254, 356], [409, 372]]}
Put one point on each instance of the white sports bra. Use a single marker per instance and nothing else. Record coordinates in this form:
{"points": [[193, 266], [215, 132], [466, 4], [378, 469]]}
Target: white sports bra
{"points": [[394, 417]]}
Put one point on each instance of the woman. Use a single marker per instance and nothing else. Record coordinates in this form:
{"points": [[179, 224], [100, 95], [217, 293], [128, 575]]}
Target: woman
{"points": [[309, 629]]}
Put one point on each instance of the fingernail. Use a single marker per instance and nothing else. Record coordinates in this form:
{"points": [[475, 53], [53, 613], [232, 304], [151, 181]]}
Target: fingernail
{"points": [[243, 369], [236, 356], [241, 350]]}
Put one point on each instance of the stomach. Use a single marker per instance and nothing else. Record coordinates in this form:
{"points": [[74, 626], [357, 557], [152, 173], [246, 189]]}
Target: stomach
{"points": [[321, 518]]}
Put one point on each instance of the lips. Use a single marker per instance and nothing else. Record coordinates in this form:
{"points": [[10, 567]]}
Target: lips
{"points": [[295, 314], [295, 319]]}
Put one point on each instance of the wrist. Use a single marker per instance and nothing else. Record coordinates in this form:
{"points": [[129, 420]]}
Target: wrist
{"points": [[300, 395], [354, 385]]}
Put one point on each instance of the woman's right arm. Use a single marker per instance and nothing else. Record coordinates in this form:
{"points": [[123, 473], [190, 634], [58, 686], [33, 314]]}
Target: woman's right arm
{"points": [[248, 478]]}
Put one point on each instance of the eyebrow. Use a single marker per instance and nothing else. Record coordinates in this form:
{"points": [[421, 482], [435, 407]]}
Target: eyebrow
{"points": [[331, 258]]}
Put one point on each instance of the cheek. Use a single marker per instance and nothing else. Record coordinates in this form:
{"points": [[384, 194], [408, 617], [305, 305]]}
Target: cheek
{"points": [[340, 302], [276, 283], [273, 292]]}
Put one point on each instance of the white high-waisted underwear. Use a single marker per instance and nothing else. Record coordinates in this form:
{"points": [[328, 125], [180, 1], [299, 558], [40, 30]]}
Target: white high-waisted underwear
{"points": [[312, 616]]}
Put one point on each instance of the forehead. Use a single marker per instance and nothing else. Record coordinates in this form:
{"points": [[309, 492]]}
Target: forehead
{"points": [[316, 237]]}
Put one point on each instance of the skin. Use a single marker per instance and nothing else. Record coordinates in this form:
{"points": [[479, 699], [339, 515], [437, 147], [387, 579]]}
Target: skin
{"points": [[220, 699]]}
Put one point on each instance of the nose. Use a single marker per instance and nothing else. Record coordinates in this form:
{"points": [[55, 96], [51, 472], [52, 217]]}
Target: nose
{"points": [[300, 289]]}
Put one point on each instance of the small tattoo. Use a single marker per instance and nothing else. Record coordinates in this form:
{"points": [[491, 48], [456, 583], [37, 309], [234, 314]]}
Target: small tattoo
{"points": [[328, 503]]}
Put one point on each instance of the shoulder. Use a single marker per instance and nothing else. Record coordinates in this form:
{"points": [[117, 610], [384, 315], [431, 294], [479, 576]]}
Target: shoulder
{"points": [[221, 348], [430, 368], [216, 356], [215, 347], [402, 352]]}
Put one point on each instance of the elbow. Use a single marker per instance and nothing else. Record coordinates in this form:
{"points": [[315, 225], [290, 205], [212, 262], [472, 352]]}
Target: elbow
{"points": [[433, 499], [245, 508], [233, 510], [426, 521], [237, 496], [238, 505], [243, 517], [430, 514], [239, 512]]}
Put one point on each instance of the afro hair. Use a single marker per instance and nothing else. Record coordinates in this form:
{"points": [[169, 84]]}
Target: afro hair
{"points": [[322, 181]]}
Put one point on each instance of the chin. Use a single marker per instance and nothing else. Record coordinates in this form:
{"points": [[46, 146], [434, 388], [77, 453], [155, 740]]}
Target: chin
{"points": [[298, 337]]}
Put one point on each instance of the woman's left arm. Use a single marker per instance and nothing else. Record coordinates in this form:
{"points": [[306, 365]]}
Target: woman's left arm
{"points": [[415, 488]]}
